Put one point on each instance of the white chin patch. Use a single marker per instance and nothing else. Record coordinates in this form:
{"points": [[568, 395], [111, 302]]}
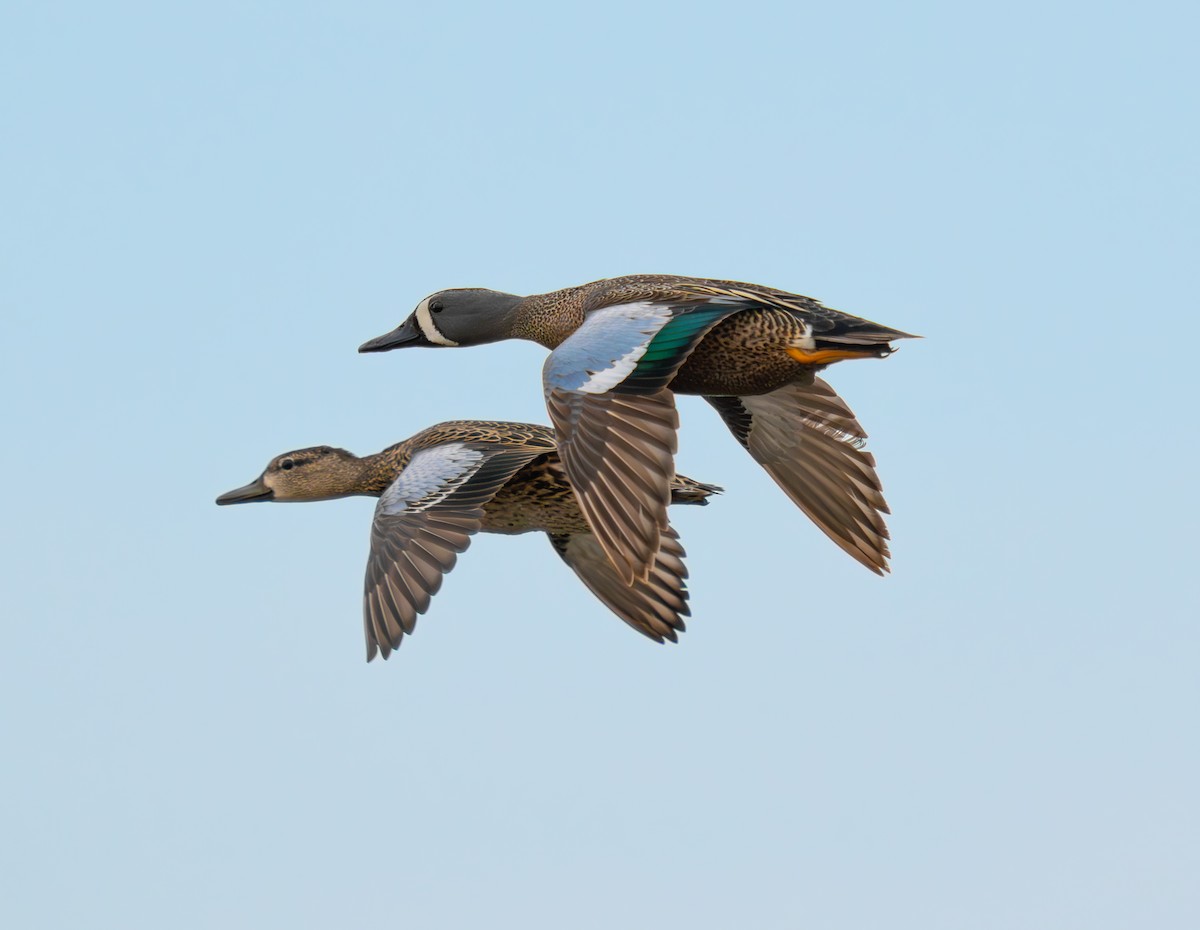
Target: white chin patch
{"points": [[428, 330]]}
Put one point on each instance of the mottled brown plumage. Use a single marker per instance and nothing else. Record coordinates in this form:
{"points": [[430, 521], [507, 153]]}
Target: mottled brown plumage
{"points": [[742, 354], [451, 480]]}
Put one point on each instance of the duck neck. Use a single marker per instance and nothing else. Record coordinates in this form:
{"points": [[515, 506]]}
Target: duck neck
{"points": [[547, 319], [374, 474], [502, 319]]}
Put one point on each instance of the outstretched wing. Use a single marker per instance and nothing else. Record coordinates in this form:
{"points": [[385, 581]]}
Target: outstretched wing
{"points": [[656, 606], [606, 392], [809, 441], [423, 520]]}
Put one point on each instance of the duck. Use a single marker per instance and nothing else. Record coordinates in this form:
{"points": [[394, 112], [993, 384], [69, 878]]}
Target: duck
{"points": [[621, 348], [441, 486]]}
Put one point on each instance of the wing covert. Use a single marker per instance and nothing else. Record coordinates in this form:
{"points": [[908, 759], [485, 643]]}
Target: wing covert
{"points": [[605, 388], [424, 519]]}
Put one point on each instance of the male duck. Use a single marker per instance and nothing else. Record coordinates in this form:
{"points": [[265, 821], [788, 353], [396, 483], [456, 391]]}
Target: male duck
{"points": [[622, 346], [452, 480]]}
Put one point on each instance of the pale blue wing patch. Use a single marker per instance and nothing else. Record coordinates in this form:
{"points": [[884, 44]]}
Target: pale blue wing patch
{"points": [[430, 477], [423, 521], [617, 450], [606, 390], [606, 348]]}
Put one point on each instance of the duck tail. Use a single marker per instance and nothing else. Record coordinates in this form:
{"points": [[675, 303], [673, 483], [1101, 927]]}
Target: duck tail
{"points": [[867, 337], [858, 339], [685, 490]]}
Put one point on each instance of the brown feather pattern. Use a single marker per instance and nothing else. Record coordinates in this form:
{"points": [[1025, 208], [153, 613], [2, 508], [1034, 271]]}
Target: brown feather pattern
{"points": [[655, 606], [618, 451], [809, 441]]}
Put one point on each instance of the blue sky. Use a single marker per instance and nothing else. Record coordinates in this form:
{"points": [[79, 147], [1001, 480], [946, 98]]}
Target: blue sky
{"points": [[206, 208]]}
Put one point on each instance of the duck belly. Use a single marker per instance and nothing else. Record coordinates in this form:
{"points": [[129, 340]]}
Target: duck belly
{"points": [[537, 499]]}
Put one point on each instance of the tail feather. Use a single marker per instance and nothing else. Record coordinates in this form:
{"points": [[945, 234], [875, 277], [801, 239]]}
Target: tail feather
{"points": [[685, 490], [861, 333]]}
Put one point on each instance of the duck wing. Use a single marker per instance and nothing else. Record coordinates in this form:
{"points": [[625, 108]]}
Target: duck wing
{"points": [[654, 606], [605, 388], [424, 519], [809, 441]]}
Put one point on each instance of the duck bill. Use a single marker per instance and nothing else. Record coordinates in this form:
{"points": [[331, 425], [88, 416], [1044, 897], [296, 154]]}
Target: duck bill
{"points": [[406, 334], [254, 491]]}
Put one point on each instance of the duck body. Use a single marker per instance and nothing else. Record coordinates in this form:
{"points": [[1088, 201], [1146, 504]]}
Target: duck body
{"points": [[454, 479], [622, 347], [753, 342], [539, 498]]}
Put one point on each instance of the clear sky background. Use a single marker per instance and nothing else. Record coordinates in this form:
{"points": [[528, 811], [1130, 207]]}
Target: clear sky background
{"points": [[207, 207]]}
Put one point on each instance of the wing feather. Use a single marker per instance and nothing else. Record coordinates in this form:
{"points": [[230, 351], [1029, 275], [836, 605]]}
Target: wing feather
{"points": [[424, 519], [606, 392], [618, 453], [656, 606], [809, 441]]}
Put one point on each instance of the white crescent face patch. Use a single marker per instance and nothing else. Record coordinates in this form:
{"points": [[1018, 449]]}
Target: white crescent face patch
{"points": [[428, 329]]}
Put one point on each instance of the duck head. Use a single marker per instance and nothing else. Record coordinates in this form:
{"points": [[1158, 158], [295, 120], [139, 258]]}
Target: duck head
{"points": [[319, 473], [459, 317]]}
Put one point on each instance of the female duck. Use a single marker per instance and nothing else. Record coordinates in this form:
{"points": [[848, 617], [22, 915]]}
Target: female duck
{"points": [[452, 480]]}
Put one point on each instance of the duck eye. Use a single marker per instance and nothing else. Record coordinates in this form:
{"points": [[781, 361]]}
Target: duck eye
{"points": [[287, 464]]}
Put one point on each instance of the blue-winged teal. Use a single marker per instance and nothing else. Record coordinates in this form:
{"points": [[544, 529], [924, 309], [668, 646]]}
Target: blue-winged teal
{"points": [[622, 346], [452, 480]]}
